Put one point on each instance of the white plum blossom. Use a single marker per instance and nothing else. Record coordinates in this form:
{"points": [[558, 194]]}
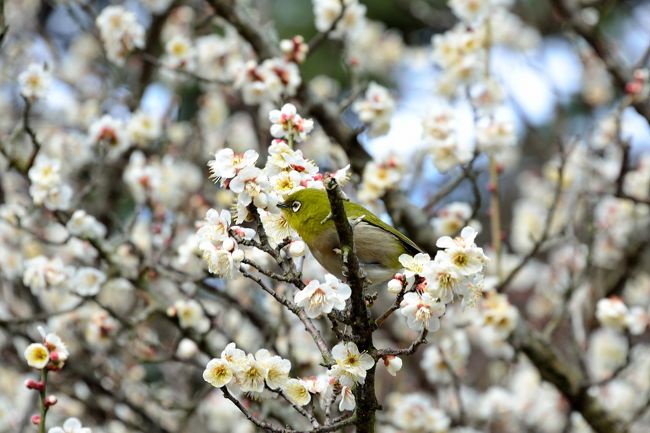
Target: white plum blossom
{"points": [[110, 134], [463, 252], [392, 363], [120, 32], [287, 123], [318, 298], [191, 315], [226, 164], [42, 273], [297, 392], [250, 374], [218, 372], [350, 365], [180, 54], [70, 425], [375, 109], [294, 49], [414, 265], [85, 225], [499, 314], [422, 311], [327, 12], [276, 368], [37, 355], [347, 400], [276, 227], [88, 281], [612, 313], [143, 128], [34, 81]]}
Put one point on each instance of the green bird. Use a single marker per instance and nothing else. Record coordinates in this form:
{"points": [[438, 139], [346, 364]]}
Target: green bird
{"points": [[378, 245]]}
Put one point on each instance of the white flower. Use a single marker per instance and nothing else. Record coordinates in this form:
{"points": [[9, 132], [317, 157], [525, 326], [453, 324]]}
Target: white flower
{"points": [[463, 253], [218, 372], [494, 135], [348, 402], [287, 123], [297, 392], [250, 374], [42, 273], [637, 320], [258, 83], [297, 249], [84, 225], [37, 355], [55, 345], [395, 285], [351, 366], [226, 163], [321, 298], [612, 312], [294, 49], [34, 81], [232, 355], [451, 218], [180, 53], [351, 24], [71, 425], [215, 227], [46, 172], [443, 278], [143, 128], [422, 311], [499, 314], [190, 315], [375, 109], [414, 265], [110, 133], [276, 227], [392, 363], [120, 32], [607, 351], [88, 281], [220, 261], [276, 368]]}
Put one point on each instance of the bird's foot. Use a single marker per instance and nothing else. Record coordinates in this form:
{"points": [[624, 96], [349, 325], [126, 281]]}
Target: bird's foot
{"points": [[327, 218], [356, 221]]}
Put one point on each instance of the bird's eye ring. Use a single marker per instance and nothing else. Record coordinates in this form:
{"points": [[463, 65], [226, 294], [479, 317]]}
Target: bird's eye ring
{"points": [[295, 206]]}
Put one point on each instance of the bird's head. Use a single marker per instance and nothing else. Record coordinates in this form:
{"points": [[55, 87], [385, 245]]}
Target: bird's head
{"points": [[305, 210]]}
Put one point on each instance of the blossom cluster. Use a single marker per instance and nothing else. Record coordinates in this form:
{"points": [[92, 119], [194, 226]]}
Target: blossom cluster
{"points": [[120, 31], [51, 354], [455, 272], [252, 373]]}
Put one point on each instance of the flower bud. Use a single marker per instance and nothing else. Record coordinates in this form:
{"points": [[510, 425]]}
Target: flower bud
{"points": [[36, 419], [54, 356], [395, 286], [393, 364], [50, 400], [32, 384], [228, 245], [297, 249]]}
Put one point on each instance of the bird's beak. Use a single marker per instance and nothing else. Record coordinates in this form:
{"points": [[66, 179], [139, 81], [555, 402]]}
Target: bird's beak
{"points": [[283, 205]]}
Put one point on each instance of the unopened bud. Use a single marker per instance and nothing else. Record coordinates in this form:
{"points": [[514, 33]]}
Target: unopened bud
{"points": [[54, 356], [228, 245], [36, 419], [395, 286], [50, 400], [297, 249], [32, 384]]}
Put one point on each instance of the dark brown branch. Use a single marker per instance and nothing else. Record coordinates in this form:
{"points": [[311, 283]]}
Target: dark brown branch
{"points": [[362, 326], [422, 339]]}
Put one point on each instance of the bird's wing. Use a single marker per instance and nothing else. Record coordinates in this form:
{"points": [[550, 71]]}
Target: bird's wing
{"points": [[410, 246]]}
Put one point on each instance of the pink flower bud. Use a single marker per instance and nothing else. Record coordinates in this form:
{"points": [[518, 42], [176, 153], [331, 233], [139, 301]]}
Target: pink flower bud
{"points": [[32, 384], [50, 400], [54, 356], [36, 419]]}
